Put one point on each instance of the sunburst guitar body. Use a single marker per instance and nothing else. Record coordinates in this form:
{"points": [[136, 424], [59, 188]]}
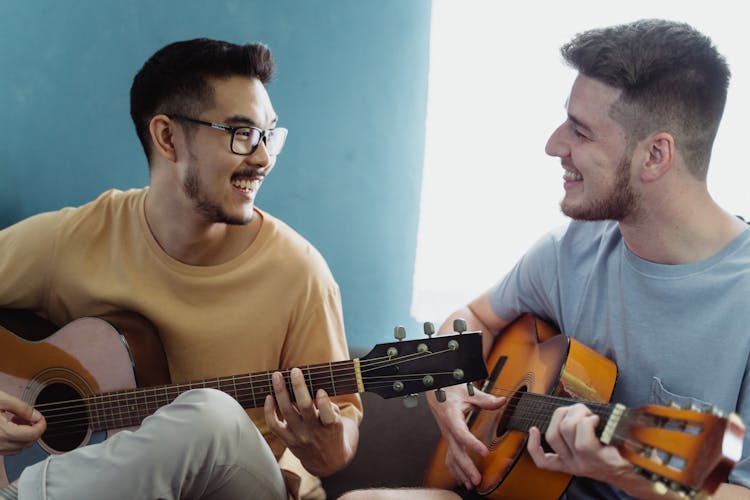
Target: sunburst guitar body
{"points": [[540, 370]]}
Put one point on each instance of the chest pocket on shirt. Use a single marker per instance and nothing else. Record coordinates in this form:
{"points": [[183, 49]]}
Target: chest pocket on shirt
{"points": [[661, 396]]}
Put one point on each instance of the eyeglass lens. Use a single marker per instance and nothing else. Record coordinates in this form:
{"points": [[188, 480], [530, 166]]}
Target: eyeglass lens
{"points": [[246, 139]]}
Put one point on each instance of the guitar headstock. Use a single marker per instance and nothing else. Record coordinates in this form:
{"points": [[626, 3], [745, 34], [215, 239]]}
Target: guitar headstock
{"points": [[411, 366], [684, 450]]}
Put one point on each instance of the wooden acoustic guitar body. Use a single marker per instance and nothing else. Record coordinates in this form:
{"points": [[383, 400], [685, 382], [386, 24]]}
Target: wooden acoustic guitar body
{"points": [[82, 377], [46, 370], [529, 356]]}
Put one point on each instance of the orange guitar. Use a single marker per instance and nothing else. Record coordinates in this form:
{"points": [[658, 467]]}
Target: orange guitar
{"points": [[81, 378], [538, 370]]}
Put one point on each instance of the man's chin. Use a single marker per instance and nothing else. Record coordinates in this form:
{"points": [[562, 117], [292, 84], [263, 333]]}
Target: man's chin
{"points": [[576, 213], [237, 220]]}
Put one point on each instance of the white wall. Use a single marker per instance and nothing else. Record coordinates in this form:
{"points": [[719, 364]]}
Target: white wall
{"points": [[497, 89]]}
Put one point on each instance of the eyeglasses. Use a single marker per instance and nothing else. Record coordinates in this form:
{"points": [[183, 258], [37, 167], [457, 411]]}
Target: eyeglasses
{"points": [[245, 139]]}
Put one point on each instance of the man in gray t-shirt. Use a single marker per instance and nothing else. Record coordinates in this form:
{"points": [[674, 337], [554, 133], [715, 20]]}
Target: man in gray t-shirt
{"points": [[651, 273], [678, 333]]}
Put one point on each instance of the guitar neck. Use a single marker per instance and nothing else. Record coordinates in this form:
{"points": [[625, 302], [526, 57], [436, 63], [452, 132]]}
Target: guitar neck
{"points": [[535, 410], [128, 408]]}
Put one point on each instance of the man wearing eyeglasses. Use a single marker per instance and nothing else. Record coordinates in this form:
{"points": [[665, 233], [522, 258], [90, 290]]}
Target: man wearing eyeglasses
{"points": [[229, 288]]}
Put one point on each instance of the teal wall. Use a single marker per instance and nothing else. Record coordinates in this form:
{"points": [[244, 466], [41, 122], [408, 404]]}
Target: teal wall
{"points": [[351, 85]]}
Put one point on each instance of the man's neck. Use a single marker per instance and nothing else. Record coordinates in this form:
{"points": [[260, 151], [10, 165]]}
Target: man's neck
{"points": [[671, 236], [185, 236]]}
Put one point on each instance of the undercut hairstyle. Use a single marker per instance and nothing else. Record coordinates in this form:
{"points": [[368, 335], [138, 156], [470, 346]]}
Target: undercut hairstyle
{"points": [[176, 80], [672, 78]]}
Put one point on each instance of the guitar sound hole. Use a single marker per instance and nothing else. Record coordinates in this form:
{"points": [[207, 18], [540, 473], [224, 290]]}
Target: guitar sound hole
{"points": [[509, 411], [66, 415]]}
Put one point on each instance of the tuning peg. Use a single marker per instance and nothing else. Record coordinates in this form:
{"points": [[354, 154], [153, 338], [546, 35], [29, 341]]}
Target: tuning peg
{"points": [[717, 412], [470, 388], [459, 325], [429, 329], [440, 395], [660, 488], [399, 332], [411, 400]]}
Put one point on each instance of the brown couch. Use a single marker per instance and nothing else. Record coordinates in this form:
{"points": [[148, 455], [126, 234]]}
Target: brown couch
{"points": [[395, 445]]}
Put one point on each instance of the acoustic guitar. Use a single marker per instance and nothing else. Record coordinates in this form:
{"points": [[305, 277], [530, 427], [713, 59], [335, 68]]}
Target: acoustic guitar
{"points": [[538, 370], [82, 379]]}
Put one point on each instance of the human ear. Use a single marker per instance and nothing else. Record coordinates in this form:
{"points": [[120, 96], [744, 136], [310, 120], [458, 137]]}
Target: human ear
{"points": [[660, 153], [161, 128]]}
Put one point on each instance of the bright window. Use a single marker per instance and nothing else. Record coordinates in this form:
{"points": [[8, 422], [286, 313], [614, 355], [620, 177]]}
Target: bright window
{"points": [[497, 88]]}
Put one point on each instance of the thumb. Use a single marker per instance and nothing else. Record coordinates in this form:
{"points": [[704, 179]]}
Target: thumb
{"points": [[18, 408], [487, 401]]}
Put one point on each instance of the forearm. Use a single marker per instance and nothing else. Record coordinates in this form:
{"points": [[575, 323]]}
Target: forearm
{"points": [[731, 491], [479, 316], [338, 457]]}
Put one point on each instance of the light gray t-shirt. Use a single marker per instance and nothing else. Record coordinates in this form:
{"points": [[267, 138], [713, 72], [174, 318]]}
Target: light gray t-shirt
{"points": [[677, 332]]}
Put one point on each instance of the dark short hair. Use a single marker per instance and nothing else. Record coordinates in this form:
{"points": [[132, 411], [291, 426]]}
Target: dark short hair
{"points": [[176, 79], [672, 78]]}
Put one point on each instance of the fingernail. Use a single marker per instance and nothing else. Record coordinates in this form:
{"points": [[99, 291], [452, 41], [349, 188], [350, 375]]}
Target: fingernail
{"points": [[35, 415], [322, 393]]}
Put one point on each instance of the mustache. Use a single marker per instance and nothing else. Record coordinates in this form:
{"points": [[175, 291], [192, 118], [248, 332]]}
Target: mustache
{"points": [[251, 173]]}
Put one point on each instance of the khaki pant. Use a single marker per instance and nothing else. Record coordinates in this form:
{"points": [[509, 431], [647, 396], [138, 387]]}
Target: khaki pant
{"points": [[203, 445]]}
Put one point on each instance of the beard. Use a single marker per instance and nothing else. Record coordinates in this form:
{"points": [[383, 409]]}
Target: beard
{"points": [[210, 209], [620, 202]]}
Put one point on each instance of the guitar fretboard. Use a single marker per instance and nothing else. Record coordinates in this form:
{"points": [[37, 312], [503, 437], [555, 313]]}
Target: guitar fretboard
{"points": [[128, 408], [535, 410]]}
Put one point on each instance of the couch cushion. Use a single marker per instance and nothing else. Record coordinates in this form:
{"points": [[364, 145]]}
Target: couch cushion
{"points": [[395, 445]]}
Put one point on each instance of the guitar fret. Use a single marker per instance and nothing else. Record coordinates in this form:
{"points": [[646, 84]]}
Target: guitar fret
{"points": [[110, 414], [138, 410], [270, 383], [252, 391], [91, 408], [532, 411], [333, 382], [310, 382], [117, 414]]}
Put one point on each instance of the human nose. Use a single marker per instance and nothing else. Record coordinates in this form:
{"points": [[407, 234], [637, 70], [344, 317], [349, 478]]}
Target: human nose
{"points": [[260, 156], [556, 145]]}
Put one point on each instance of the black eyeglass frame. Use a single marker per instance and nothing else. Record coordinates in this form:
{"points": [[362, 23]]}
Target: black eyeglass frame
{"points": [[233, 130]]}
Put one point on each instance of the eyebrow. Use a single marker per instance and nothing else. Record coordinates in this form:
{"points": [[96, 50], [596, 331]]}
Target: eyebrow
{"points": [[249, 121], [579, 123]]}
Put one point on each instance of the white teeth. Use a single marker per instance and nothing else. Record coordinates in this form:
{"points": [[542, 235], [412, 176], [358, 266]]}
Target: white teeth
{"points": [[251, 185], [572, 176]]}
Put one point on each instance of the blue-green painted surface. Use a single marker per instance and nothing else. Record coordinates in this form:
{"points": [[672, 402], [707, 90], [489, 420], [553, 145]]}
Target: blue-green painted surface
{"points": [[351, 85]]}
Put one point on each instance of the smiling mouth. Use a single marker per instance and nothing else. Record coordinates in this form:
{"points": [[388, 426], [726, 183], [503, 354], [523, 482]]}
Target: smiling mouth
{"points": [[572, 176], [248, 185]]}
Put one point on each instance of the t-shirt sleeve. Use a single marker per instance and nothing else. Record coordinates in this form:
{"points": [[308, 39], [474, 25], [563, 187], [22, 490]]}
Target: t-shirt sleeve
{"points": [[741, 472], [531, 285], [28, 260]]}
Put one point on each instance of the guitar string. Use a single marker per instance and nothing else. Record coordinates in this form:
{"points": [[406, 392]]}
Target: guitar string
{"points": [[529, 417], [315, 373], [620, 436], [80, 419], [171, 391]]}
